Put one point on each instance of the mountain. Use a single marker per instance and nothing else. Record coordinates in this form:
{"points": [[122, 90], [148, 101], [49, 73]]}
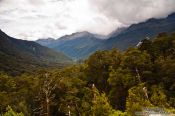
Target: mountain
{"points": [[82, 44], [116, 32], [17, 56], [133, 34], [77, 45], [46, 42]]}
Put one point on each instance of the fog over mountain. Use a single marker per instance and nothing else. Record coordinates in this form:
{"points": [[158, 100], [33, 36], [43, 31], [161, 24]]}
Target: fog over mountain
{"points": [[33, 19]]}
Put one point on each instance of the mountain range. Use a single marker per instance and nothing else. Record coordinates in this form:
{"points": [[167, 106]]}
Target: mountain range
{"points": [[18, 56], [82, 44], [133, 34], [77, 45]]}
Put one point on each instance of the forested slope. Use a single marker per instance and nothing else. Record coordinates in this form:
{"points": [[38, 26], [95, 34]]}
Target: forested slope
{"points": [[109, 83], [19, 56]]}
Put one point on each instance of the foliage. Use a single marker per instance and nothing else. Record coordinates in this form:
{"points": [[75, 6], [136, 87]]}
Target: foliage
{"points": [[100, 105], [10, 112], [118, 113], [136, 100], [109, 83]]}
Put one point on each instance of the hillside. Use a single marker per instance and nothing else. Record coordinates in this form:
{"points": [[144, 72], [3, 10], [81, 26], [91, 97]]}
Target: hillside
{"points": [[17, 56]]}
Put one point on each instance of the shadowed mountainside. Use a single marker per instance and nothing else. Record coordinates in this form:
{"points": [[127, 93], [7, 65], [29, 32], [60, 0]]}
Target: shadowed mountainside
{"points": [[26, 56]]}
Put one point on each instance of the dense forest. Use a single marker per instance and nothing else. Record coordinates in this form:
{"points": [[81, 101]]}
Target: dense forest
{"points": [[108, 83]]}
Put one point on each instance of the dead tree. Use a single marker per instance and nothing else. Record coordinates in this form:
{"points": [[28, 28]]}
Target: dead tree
{"points": [[45, 97], [138, 75]]}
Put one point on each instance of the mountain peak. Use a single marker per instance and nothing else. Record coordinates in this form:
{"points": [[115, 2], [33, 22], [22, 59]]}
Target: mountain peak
{"points": [[80, 34], [171, 15], [117, 31], [47, 39], [76, 35]]}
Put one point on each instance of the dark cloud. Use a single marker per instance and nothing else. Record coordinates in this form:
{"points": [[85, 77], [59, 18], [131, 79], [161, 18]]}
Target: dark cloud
{"points": [[133, 11]]}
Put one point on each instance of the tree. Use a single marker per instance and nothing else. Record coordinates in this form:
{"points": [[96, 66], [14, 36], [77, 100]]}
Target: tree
{"points": [[137, 62], [10, 112], [71, 90], [137, 100], [147, 45], [158, 97], [7, 91], [165, 45], [45, 96], [120, 81], [118, 113], [98, 67], [134, 58], [100, 105]]}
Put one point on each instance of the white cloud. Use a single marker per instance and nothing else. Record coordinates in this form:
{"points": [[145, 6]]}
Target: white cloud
{"points": [[33, 19]]}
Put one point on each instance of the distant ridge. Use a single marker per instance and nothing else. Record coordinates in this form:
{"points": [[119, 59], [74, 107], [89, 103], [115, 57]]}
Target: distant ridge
{"points": [[133, 34], [77, 45]]}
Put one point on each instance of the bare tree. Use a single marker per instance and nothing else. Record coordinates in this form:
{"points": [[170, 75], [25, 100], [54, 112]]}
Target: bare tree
{"points": [[145, 92], [45, 97], [144, 88], [138, 75]]}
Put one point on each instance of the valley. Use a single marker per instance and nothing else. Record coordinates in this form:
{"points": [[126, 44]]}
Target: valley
{"points": [[53, 62]]}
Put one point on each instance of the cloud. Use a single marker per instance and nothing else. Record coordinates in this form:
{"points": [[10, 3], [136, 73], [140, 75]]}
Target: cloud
{"points": [[33, 19], [133, 11]]}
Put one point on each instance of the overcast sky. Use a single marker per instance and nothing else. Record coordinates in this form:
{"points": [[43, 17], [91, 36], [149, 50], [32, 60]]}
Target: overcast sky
{"points": [[33, 19]]}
